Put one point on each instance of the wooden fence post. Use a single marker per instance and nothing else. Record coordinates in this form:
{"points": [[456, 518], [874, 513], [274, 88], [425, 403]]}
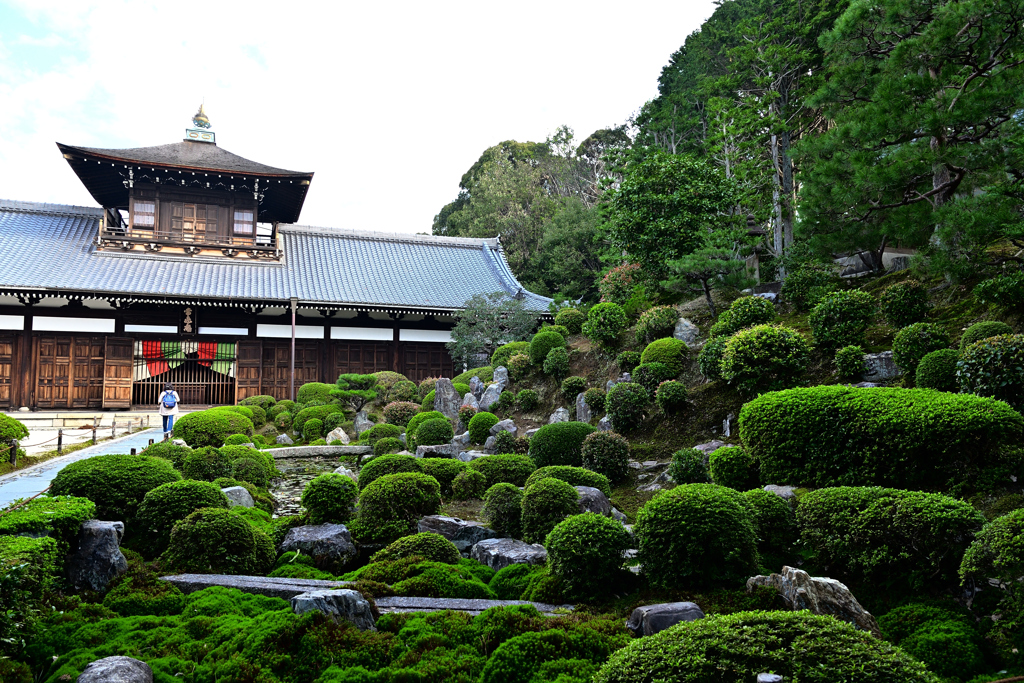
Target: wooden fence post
{"points": [[14, 452], [60, 441]]}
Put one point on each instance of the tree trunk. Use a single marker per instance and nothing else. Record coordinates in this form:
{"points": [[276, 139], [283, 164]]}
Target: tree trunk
{"points": [[707, 295], [778, 233]]}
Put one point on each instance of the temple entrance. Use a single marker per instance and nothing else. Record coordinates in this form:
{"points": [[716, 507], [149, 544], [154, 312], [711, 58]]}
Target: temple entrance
{"points": [[203, 373]]}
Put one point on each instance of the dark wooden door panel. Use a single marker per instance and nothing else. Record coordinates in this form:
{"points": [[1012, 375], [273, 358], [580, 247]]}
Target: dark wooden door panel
{"points": [[247, 374], [116, 385], [6, 370]]}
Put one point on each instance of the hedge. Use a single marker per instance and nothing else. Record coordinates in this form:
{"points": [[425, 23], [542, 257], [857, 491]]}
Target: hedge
{"points": [[206, 464], [606, 453], [430, 546], [560, 443], [984, 330], [542, 343], [505, 467], [313, 412], [908, 438], [586, 553], [733, 467], [444, 470], [218, 541], [391, 505], [504, 352], [434, 432], [604, 323], [937, 370], [211, 427], [546, 502], [387, 464], [315, 391], [764, 357], [115, 483], [414, 424], [468, 484], [57, 516], [571, 319], [503, 510], [574, 476], [170, 503]]}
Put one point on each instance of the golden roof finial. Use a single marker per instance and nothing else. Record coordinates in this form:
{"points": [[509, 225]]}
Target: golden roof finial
{"points": [[200, 119]]}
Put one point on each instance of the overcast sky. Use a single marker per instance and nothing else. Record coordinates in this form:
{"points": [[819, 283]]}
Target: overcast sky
{"points": [[388, 103]]}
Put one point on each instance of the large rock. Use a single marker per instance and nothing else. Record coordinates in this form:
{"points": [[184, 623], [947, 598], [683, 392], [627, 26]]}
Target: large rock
{"points": [[462, 439], [116, 670], [362, 422], [820, 595], [604, 424], [709, 447], [686, 331], [560, 415], [469, 456], [338, 434], [651, 619], [471, 401], [476, 387], [504, 426], [342, 604], [179, 442], [501, 377], [491, 444], [786, 493], [593, 500], [95, 558], [443, 450], [460, 532], [329, 545], [238, 496], [446, 399], [284, 440], [880, 367], [498, 553], [582, 409], [491, 395]]}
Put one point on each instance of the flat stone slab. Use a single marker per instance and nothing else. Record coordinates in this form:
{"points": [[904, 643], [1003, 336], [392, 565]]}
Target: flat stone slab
{"points": [[285, 588], [473, 607], [318, 451]]}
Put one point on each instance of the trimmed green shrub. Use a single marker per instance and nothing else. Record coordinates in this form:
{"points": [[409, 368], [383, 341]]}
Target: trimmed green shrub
{"points": [[914, 342], [115, 483], [175, 454], [469, 484], [586, 553], [210, 427], [414, 424], [744, 312], [656, 323], [904, 303], [799, 646], [282, 406], [313, 429], [330, 498], [206, 464], [426, 386], [994, 367], [606, 453], [170, 503], [552, 655], [218, 541], [1002, 290], [900, 622], [556, 363], [263, 401], [507, 401], [913, 438], [259, 416], [893, 537], [572, 386], [560, 443], [997, 552], [252, 469], [504, 468], [466, 414], [391, 505], [571, 319], [984, 330], [696, 535], [594, 398], [430, 546], [400, 412], [671, 397], [796, 288], [387, 464], [709, 360], [519, 366], [774, 523], [527, 400], [283, 421], [504, 353], [604, 323], [688, 467], [764, 358], [627, 360], [510, 583], [574, 476], [311, 413], [733, 467], [949, 648], [937, 370], [388, 445], [57, 516], [504, 442], [444, 470], [546, 502], [650, 375], [625, 404], [404, 391], [12, 429], [428, 400], [480, 426], [542, 344], [842, 318], [141, 593], [235, 440], [849, 362], [503, 509], [671, 352], [315, 391], [556, 328], [434, 432], [379, 431]]}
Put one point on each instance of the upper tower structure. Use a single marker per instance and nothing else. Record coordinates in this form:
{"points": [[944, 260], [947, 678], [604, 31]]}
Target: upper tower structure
{"points": [[190, 197]]}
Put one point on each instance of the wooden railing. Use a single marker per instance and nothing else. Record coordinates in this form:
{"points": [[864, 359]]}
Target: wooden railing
{"points": [[186, 238]]}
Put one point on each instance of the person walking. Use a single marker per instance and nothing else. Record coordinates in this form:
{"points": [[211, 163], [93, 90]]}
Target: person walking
{"points": [[168, 403]]}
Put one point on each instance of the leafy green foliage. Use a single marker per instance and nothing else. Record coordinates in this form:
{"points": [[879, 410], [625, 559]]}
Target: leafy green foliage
{"points": [[1003, 290], [709, 360], [434, 432], [429, 546], [176, 454], [849, 362], [904, 303], [546, 502], [210, 427], [400, 412], [802, 284], [688, 467], [774, 524], [586, 553], [572, 386], [527, 400], [314, 391], [937, 370], [388, 445], [480, 426], [984, 330], [733, 467], [668, 351], [170, 503], [28, 567], [626, 404], [140, 592], [469, 484], [627, 360], [503, 509], [444, 470], [542, 343], [505, 352], [574, 476], [485, 321], [556, 363], [312, 413], [746, 311], [518, 366], [650, 375], [656, 323], [115, 483], [390, 505], [604, 323], [12, 429], [571, 319], [606, 453], [355, 390], [914, 342], [414, 423], [594, 398], [505, 468], [841, 318], [994, 367], [387, 464], [560, 443], [330, 498], [233, 440], [997, 551], [206, 463], [313, 429], [764, 358], [382, 430], [218, 541]]}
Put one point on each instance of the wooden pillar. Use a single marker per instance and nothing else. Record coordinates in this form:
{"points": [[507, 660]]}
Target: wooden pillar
{"points": [[27, 377]]}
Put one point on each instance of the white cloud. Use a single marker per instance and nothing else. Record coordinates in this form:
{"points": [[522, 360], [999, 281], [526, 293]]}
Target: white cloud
{"points": [[389, 103]]}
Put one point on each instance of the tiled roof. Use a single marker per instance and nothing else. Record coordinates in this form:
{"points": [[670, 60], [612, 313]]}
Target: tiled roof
{"points": [[52, 246], [185, 154]]}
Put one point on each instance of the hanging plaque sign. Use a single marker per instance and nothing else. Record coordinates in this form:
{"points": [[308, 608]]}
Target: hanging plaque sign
{"points": [[188, 322]]}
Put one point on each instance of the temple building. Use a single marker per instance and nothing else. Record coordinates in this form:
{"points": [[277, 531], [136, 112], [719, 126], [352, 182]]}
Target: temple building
{"points": [[192, 270]]}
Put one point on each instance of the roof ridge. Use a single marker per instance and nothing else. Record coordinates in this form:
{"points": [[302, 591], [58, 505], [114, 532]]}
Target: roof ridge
{"points": [[47, 207], [475, 242]]}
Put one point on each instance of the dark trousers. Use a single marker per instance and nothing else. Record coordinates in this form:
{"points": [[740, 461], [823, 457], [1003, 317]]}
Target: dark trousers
{"points": [[168, 423]]}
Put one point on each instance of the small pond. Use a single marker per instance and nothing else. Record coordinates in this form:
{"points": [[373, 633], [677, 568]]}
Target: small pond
{"points": [[297, 473]]}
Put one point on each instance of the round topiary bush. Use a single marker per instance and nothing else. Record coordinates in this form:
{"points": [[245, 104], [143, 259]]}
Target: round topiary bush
{"points": [[696, 535], [237, 440], [426, 386], [994, 367], [218, 541], [542, 344], [466, 414], [503, 509], [842, 318], [444, 470], [688, 467], [480, 426], [625, 404], [388, 445], [263, 401], [391, 505], [671, 352], [430, 546], [656, 323], [400, 412], [336, 420], [627, 360], [404, 391], [556, 363], [330, 498], [744, 644], [315, 391], [744, 312], [849, 362], [210, 427], [709, 360], [904, 303], [604, 323], [11, 429], [733, 467], [283, 421], [650, 375], [519, 366], [259, 416], [168, 451], [937, 370], [252, 469], [313, 429], [574, 476], [796, 288], [606, 453], [547, 502], [914, 342], [505, 468], [984, 330], [774, 523], [380, 431], [586, 552], [764, 358], [996, 552], [387, 464], [469, 484], [571, 319], [282, 406], [414, 424], [434, 432], [527, 400], [504, 353], [671, 397], [167, 504], [594, 398], [315, 412], [206, 464], [573, 386], [560, 443], [115, 483]]}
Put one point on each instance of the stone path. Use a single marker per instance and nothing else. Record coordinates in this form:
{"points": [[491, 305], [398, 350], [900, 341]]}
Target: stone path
{"points": [[34, 479]]}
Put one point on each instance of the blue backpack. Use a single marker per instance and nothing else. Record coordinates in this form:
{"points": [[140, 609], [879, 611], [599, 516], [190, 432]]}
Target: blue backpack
{"points": [[169, 400]]}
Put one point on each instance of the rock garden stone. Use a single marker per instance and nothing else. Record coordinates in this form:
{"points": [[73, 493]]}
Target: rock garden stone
{"points": [[469, 456], [786, 493], [179, 442], [272, 587], [446, 399], [342, 604], [593, 500], [490, 396], [604, 424], [686, 332], [476, 387], [504, 426], [608, 385], [460, 532], [582, 409], [329, 545], [471, 401], [362, 422], [116, 670], [560, 415], [338, 434], [618, 516], [501, 377], [498, 553], [95, 558], [651, 619], [238, 496], [820, 595], [346, 472], [490, 445], [880, 367], [709, 447], [769, 678], [444, 450], [284, 440], [462, 439], [531, 432]]}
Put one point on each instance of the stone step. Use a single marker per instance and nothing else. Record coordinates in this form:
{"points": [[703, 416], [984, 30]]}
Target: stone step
{"points": [[318, 451]]}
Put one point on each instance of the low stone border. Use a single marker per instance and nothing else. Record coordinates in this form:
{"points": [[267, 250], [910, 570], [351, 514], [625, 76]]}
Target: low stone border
{"points": [[473, 607], [318, 451], [260, 585]]}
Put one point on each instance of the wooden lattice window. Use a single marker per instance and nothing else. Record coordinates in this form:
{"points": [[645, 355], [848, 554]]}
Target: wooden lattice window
{"points": [[143, 214], [244, 222], [193, 222]]}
